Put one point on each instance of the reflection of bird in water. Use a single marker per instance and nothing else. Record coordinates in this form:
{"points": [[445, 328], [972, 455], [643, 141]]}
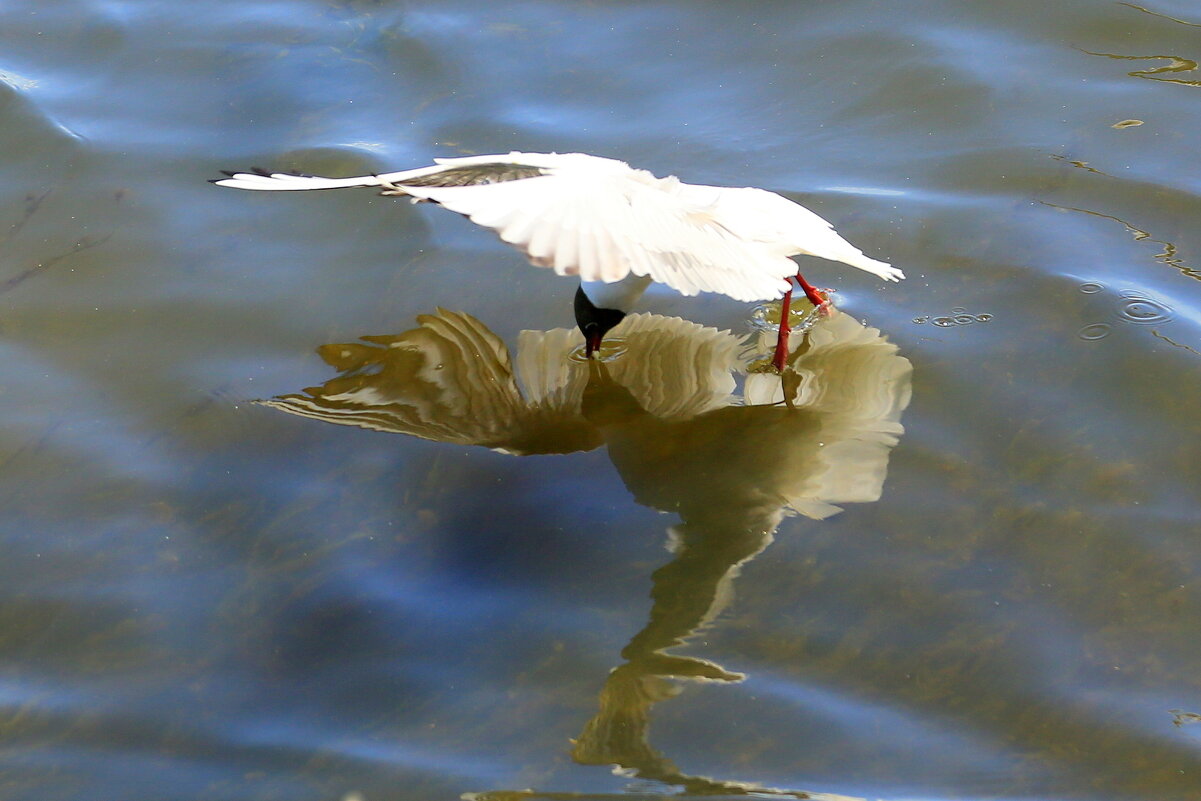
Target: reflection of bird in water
{"points": [[449, 380], [731, 474], [684, 440], [667, 407], [618, 228]]}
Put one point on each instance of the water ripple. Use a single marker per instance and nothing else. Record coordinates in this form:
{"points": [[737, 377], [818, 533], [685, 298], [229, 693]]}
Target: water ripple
{"points": [[17, 82], [1133, 306], [958, 316], [1158, 14], [1143, 310], [1094, 331], [1176, 64], [1166, 256]]}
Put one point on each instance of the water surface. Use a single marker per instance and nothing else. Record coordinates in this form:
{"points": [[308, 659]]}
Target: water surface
{"points": [[204, 597]]}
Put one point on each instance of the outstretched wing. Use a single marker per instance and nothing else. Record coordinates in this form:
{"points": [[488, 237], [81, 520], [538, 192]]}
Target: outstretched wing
{"points": [[446, 173], [602, 227]]}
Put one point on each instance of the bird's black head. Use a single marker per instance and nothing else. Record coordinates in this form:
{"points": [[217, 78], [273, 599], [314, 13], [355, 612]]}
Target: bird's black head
{"points": [[594, 322]]}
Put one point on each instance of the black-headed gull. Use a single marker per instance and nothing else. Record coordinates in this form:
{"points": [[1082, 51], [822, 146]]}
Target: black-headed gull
{"points": [[618, 228]]}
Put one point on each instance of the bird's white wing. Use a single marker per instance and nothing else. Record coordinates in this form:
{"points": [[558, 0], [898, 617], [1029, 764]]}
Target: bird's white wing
{"points": [[782, 225], [602, 227]]}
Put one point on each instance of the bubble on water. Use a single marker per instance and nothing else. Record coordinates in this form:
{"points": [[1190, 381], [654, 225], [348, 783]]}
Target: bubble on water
{"points": [[958, 316], [1091, 287], [1094, 331], [1140, 309]]}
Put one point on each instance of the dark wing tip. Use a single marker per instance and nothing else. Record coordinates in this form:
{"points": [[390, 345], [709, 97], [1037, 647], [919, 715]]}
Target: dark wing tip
{"points": [[476, 174]]}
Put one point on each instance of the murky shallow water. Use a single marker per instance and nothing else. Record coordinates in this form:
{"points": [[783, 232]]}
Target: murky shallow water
{"points": [[202, 597]]}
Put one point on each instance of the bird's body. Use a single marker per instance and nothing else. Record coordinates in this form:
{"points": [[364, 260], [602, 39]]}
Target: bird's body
{"points": [[606, 222]]}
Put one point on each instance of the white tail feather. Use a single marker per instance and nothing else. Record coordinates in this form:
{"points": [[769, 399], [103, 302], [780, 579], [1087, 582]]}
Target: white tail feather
{"points": [[880, 268], [282, 182]]}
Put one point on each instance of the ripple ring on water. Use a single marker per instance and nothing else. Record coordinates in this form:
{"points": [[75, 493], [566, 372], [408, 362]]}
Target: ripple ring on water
{"points": [[1140, 309], [1094, 331], [760, 318], [1091, 287], [610, 349], [958, 316]]}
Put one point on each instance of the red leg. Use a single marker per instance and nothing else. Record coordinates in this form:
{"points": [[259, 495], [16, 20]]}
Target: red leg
{"points": [[785, 329], [815, 297]]}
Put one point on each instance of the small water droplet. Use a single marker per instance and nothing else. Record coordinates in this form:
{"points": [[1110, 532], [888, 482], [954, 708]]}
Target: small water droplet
{"points": [[943, 322], [920, 320], [1094, 331], [1091, 287], [983, 318]]}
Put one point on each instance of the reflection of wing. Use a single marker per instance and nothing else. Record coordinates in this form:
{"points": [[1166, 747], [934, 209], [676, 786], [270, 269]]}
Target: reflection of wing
{"points": [[677, 369], [858, 385], [449, 380], [674, 368], [746, 464], [666, 407]]}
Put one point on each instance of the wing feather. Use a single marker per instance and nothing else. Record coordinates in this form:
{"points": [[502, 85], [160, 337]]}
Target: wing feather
{"points": [[603, 220], [587, 252], [626, 225], [567, 249]]}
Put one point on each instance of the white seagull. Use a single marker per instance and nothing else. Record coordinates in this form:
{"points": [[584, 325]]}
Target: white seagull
{"points": [[618, 228]]}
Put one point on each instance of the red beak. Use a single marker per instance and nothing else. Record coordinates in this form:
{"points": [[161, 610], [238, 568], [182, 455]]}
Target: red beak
{"points": [[592, 343]]}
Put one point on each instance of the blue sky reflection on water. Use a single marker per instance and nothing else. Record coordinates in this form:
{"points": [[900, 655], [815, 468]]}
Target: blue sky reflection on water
{"points": [[203, 597]]}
